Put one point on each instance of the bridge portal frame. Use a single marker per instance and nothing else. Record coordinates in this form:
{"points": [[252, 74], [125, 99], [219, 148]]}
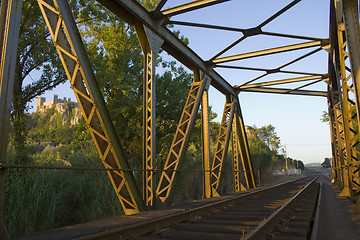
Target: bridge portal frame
{"points": [[77, 65]]}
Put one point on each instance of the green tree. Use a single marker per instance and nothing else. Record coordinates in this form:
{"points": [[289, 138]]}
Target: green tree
{"points": [[35, 53], [117, 60], [326, 163], [325, 117], [268, 135]]}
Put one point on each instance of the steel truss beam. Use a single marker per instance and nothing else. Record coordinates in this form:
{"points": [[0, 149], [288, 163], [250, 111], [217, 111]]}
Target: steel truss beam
{"points": [[132, 12], [285, 91], [10, 16], [182, 135], [150, 45], [222, 145], [187, 7], [243, 146], [237, 186], [350, 9], [335, 141], [248, 31], [67, 40], [256, 30], [348, 100], [269, 51], [284, 81]]}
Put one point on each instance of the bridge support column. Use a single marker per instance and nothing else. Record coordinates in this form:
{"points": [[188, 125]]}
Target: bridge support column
{"points": [[350, 9], [182, 135], [150, 45], [222, 145], [348, 95], [205, 134], [67, 40], [237, 186], [335, 141], [10, 16]]}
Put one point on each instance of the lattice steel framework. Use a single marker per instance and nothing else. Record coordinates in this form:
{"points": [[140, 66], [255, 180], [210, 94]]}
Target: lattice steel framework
{"points": [[68, 43], [236, 167], [182, 136], [222, 145], [150, 45], [345, 43], [153, 33]]}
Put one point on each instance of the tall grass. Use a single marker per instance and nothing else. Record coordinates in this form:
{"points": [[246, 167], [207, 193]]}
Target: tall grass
{"points": [[38, 200]]}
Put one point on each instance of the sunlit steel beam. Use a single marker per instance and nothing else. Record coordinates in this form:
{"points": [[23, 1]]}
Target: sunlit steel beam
{"points": [[271, 51], [187, 7], [285, 91], [283, 81], [72, 53], [282, 66], [352, 31]]}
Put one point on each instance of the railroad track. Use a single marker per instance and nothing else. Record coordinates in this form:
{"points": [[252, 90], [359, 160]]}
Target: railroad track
{"points": [[284, 211]]}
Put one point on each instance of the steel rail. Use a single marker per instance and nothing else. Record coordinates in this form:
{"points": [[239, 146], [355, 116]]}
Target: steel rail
{"points": [[263, 229], [315, 228], [165, 221]]}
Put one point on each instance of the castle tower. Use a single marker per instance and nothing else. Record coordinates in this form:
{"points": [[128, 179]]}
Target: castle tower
{"points": [[39, 102], [55, 99]]}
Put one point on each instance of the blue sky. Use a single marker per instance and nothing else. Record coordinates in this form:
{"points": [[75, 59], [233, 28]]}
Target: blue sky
{"points": [[296, 118]]}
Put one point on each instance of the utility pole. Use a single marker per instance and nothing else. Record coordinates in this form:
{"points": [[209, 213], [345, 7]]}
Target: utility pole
{"points": [[286, 164]]}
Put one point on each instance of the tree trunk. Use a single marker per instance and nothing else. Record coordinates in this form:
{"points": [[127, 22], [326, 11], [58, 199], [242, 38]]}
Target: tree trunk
{"points": [[18, 120]]}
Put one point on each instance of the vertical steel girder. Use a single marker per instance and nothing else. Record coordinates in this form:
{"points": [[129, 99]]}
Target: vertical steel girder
{"points": [[350, 10], [344, 97], [182, 135], [335, 142], [237, 186], [244, 147], [150, 44], [205, 135], [222, 145], [67, 40], [10, 17]]}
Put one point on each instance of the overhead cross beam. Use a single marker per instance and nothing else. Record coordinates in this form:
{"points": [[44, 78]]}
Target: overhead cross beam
{"points": [[272, 51], [285, 91], [247, 31], [283, 81], [187, 7], [132, 11]]}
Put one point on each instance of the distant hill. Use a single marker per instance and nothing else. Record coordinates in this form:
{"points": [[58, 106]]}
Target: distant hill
{"points": [[313, 165]]}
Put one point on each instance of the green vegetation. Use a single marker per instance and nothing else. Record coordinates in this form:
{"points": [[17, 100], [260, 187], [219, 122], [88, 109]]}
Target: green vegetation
{"points": [[326, 163]]}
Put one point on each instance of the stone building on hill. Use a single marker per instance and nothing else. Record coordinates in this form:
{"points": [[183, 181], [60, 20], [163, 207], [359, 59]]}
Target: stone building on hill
{"points": [[42, 106], [68, 110]]}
